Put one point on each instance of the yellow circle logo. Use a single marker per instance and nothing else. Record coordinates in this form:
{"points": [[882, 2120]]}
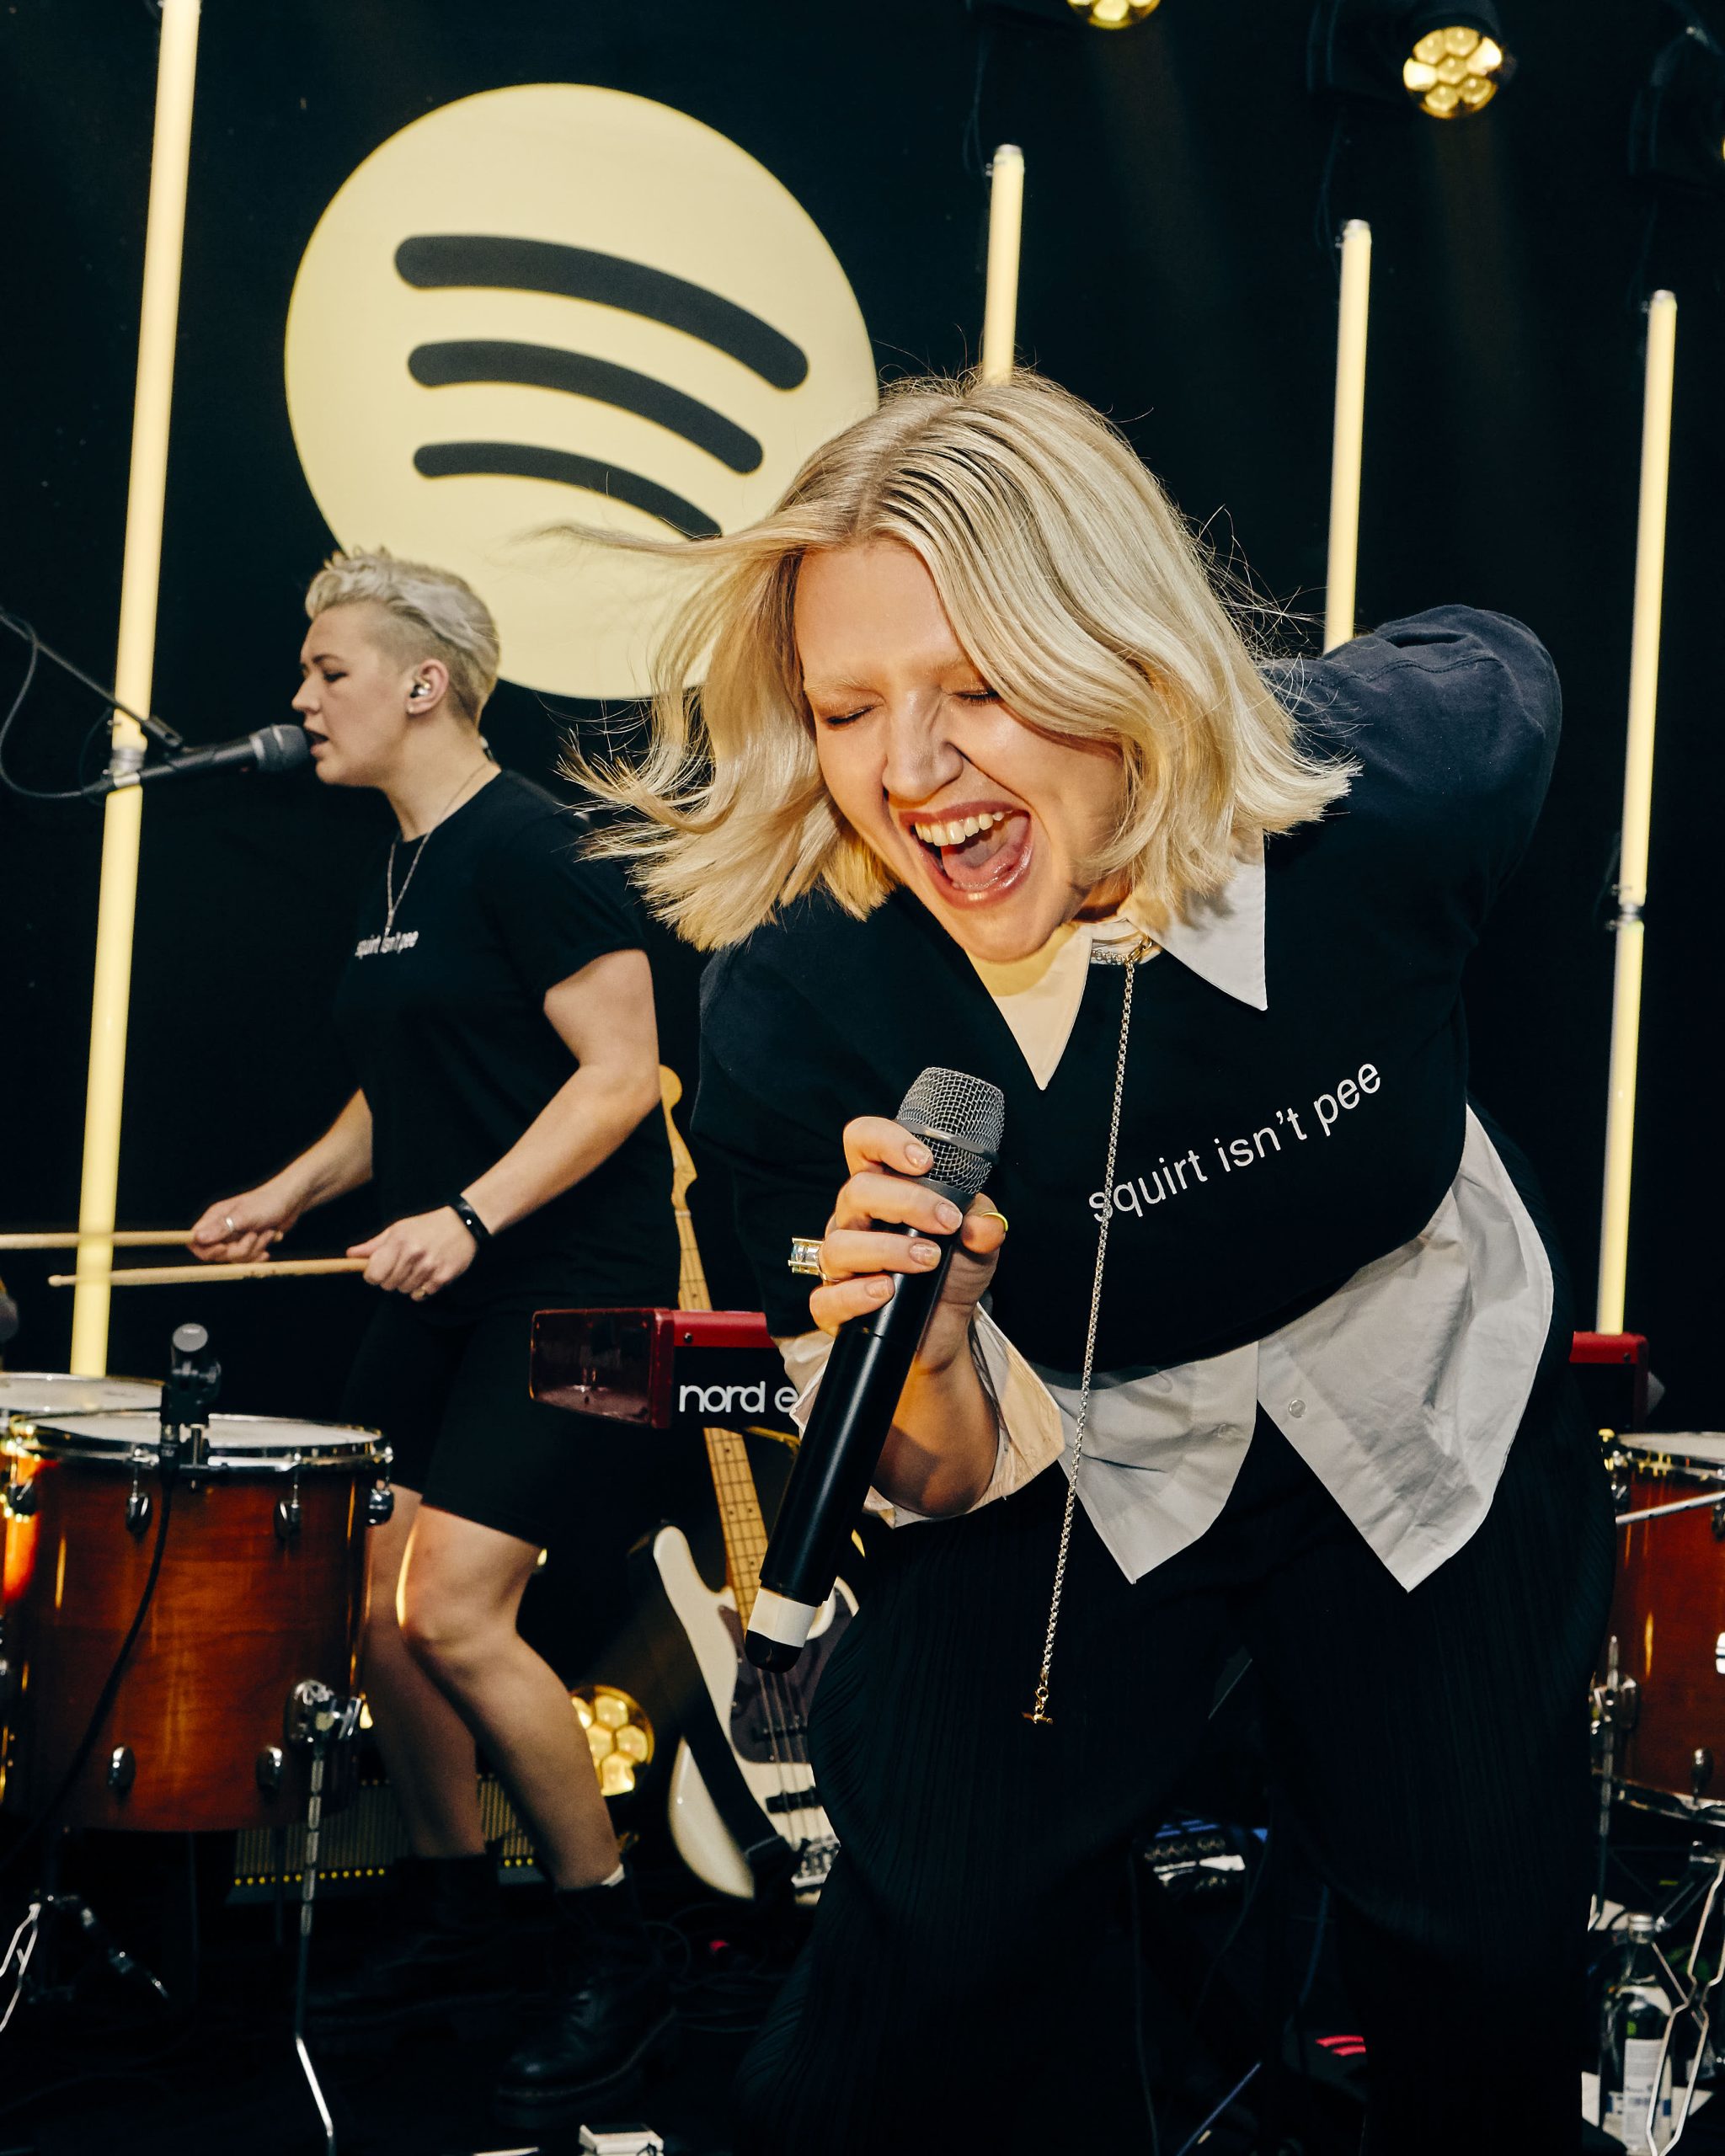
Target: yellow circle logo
{"points": [[556, 303]]}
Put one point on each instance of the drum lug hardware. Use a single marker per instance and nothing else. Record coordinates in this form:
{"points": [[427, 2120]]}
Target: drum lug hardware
{"points": [[1617, 1705], [137, 1503], [380, 1504], [1700, 1771], [18, 1499], [287, 1509], [316, 1714], [122, 1769], [1718, 1519], [271, 1760]]}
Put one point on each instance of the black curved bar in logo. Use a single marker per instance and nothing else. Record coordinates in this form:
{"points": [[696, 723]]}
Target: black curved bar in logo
{"points": [[509, 460], [579, 273], [544, 366]]}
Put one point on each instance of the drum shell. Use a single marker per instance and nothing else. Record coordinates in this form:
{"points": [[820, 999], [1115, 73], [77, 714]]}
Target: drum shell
{"points": [[241, 1614], [1668, 1616]]}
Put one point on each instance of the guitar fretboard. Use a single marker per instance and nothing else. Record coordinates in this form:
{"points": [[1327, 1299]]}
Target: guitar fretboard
{"points": [[740, 1515]]}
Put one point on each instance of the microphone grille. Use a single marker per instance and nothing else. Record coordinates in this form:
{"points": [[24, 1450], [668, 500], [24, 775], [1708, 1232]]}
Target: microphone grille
{"points": [[282, 748], [961, 1120]]}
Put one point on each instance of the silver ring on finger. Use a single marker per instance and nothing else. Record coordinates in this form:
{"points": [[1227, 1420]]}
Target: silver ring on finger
{"points": [[805, 1258], [228, 1223]]}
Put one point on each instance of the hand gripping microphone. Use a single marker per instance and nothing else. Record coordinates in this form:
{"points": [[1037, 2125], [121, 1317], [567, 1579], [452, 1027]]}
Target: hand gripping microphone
{"points": [[271, 749], [961, 1120]]}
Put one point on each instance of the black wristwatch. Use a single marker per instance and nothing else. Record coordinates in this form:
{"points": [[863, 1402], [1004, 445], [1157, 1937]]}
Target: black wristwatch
{"points": [[470, 1219]]}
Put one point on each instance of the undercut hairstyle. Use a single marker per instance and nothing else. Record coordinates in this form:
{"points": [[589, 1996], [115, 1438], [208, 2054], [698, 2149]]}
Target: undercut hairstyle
{"points": [[428, 613], [1074, 587]]}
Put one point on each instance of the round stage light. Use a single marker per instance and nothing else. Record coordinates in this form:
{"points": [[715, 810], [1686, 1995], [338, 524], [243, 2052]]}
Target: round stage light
{"points": [[1453, 71], [619, 1735], [1113, 14]]}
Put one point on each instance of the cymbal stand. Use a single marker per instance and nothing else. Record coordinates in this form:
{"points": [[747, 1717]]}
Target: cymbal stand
{"points": [[320, 1723]]}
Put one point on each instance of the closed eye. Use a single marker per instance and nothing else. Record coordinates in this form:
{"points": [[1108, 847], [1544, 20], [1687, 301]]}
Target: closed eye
{"points": [[844, 717]]}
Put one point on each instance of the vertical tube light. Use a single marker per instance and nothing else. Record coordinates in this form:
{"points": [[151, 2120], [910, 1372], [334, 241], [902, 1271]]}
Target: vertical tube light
{"points": [[134, 665], [1637, 806], [1000, 306], [1348, 450]]}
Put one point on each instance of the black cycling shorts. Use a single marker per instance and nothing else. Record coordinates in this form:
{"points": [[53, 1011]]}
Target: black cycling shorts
{"points": [[452, 1401]]}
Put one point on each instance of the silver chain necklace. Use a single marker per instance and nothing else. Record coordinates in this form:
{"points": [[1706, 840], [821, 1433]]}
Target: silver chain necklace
{"points": [[392, 897], [1131, 960]]}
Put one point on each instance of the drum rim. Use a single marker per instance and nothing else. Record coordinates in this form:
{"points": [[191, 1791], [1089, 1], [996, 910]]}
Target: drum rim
{"points": [[1646, 1449], [345, 1444], [153, 1386]]}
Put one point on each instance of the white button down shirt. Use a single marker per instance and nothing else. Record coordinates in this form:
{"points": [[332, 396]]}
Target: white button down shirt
{"points": [[1402, 1392]]}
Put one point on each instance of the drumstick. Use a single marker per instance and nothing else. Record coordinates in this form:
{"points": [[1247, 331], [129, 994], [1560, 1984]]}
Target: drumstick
{"points": [[121, 1239], [167, 1276]]}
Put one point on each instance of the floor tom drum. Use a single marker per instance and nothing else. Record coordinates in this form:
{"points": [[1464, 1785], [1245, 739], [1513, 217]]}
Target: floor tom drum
{"points": [[262, 1585]]}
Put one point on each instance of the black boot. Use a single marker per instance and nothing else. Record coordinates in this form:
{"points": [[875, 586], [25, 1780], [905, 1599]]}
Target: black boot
{"points": [[610, 2010], [444, 1962]]}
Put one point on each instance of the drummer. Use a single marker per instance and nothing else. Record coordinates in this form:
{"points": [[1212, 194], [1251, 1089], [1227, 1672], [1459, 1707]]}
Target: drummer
{"points": [[498, 1011]]}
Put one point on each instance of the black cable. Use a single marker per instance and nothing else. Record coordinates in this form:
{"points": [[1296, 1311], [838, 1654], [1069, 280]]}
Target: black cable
{"points": [[111, 704], [974, 158], [1234, 1931], [158, 730], [110, 1688], [92, 2074], [1323, 217], [1133, 1859]]}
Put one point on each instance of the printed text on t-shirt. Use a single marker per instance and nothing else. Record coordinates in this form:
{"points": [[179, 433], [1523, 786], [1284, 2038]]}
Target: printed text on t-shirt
{"points": [[1237, 1155]]}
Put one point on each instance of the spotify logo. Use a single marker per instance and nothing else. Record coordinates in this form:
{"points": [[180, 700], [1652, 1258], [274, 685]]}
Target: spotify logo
{"points": [[556, 303]]}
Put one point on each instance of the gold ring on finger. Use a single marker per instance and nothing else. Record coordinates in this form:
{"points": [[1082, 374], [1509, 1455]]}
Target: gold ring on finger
{"points": [[992, 1212]]}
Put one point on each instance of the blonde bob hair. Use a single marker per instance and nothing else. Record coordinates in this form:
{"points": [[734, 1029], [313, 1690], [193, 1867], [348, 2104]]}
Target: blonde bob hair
{"points": [[1073, 585], [431, 613]]}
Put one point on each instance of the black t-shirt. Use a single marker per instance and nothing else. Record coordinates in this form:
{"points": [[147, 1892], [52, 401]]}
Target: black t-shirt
{"points": [[443, 1021], [1356, 1074]]}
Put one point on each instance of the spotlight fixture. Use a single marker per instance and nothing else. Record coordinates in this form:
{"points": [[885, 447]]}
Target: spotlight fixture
{"points": [[618, 1734], [1113, 15], [1453, 69], [1447, 56], [1099, 14], [1677, 135]]}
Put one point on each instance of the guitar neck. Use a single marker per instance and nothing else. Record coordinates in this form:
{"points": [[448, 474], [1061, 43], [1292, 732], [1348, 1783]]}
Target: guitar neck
{"points": [[740, 1516]]}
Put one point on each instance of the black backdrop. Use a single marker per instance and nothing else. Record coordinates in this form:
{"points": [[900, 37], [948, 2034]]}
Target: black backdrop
{"points": [[1171, 274]]}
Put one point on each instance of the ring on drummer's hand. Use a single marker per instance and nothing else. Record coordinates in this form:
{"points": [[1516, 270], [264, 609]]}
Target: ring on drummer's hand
{"points": [[228, 1223], [805, 1256]]}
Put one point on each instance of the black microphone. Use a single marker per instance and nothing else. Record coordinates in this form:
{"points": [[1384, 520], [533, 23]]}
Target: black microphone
{"points": [[961, 1120], [271, 749]]}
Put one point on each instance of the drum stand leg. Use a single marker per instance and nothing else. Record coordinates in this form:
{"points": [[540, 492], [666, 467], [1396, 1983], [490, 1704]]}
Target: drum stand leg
{"points": [[320, 1723], [60, 1914]]}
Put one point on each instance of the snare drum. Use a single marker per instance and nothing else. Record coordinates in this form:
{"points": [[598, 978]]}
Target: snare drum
{"points": [[48, 1394], [1667, 1704], [262, 1586]]}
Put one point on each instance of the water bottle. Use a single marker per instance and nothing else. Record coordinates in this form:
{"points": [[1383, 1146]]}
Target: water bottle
{"points": [[1633, 2055]]}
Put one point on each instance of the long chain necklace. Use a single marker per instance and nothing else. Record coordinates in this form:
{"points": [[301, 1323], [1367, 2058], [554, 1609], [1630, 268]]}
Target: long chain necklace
{"points": [[392, 897], [1131, 959]]}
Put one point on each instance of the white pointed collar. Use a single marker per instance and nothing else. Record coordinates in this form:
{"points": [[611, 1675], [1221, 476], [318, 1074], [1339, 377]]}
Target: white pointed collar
{"points": [[1221, 940]]}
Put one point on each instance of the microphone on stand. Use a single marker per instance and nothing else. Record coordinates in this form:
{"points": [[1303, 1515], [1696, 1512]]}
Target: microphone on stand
{"points": [[961, 1120], [271, 749]]}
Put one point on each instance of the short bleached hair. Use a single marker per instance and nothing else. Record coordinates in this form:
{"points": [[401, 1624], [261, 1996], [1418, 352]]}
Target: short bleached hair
{"points": [[431, 613], [1074, 587]]}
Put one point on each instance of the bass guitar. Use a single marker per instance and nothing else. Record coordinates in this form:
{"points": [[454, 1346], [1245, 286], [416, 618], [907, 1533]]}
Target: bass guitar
{"points": [[764, 1718]]}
